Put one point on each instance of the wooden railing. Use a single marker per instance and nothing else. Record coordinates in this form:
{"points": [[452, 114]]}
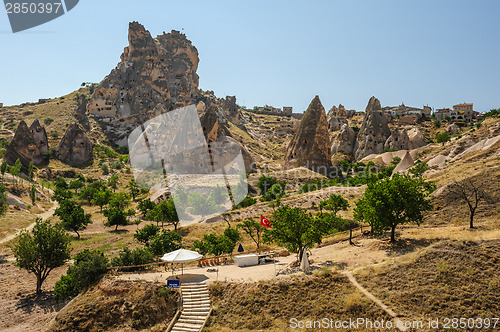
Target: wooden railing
{"points": [[343, 236]]}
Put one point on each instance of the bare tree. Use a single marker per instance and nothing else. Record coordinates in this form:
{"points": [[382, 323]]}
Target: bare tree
{"points": [[472, 192]]}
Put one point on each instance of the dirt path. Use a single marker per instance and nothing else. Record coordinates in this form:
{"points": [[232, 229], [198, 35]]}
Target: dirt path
{"points": [[47, 214], [397, 321]]}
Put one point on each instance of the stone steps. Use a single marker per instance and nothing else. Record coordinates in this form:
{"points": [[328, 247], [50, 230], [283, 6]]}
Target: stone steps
{"points": [[196, 307]]}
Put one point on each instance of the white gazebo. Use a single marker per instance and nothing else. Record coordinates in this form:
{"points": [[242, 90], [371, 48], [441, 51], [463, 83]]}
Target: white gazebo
{"points": [[181, 256]]}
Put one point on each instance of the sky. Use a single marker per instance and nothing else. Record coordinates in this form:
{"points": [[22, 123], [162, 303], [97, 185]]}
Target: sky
{"points": [[281, 53]]}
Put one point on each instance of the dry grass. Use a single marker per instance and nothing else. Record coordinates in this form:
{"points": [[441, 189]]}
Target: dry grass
{"points": [[449, 279], [143, 305], [270, 305]]}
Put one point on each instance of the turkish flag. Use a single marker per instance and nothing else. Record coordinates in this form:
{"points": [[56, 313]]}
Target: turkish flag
{"points": [[264, 222]]}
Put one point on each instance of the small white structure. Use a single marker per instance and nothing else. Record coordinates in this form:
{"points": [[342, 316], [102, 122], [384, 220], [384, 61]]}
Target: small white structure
{"points": [[246, 260], [181, 256]]}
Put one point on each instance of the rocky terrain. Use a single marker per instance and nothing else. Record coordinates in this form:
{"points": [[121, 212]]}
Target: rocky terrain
{"points": [[86, 131]]}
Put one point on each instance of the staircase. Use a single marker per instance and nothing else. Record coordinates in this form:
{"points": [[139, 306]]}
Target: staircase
{"points": [[196, 307]]}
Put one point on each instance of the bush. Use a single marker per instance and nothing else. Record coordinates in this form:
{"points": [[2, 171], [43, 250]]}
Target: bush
{"points": [[88, 268], [48, 121], [127, 257], [442, 137], [247, 201], [54, 134]]}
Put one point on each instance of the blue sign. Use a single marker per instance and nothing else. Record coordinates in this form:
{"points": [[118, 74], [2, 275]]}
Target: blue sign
{"points": [[173, 283]]}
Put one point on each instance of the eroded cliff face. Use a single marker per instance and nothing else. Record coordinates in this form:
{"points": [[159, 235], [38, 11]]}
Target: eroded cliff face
{"points": [[155, 75]]}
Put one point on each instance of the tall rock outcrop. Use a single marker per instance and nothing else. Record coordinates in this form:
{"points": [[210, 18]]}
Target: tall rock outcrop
{"points": [[373, 105], [345, 141], [155, 75], [75, 148], [41, 141], [22, 146], [399, 140], [310, 146], [374, 131]]}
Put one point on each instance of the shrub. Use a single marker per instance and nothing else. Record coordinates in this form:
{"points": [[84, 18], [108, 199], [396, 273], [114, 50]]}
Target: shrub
{"points": [[48, 121], [127, 257], [442, 137], [88, 268]]}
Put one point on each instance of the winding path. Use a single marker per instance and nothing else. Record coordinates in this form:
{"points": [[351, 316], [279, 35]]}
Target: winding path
{"points": [[399, 324], [47, 214]]}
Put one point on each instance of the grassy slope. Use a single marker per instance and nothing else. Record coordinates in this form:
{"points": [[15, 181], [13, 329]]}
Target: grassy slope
{"points": [[455, 278], [270, 305]]}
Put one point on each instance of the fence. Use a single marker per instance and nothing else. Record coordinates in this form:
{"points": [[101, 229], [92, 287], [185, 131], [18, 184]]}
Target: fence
{"points": [[343, 236]]}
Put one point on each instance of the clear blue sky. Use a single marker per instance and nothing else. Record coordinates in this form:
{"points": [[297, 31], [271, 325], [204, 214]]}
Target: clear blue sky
{"points": [[277, 52]]}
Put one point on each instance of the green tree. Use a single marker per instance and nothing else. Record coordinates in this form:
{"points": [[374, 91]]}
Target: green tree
{"points": [[116, 213], [102, 198], [127, 257], [61, 183], [113, 182], [117, 217], [165, 241], [419, 168], [334, 203], [16, 169], [105, 169], [3, 200], [43, 249], [33, 194], [3, 168], [145, 206], [395, 161], [215, 245], [296, 229], [76, 185], [61, 195], [392, 202], [88, 268], [72, 216], [200, 204], [442, 137], [145, 234], [30, 171], [164, 212], [133, 189], [253, 229]]}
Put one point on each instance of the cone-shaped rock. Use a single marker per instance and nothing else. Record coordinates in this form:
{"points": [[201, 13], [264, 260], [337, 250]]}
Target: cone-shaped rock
{"points": [[374, 131], [75, 148], [310, 146], [41, 141], [22, 146], [405, 164]]}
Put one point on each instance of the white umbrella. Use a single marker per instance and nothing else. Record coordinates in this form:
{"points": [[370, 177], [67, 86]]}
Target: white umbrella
{"points": [[181, 256]]}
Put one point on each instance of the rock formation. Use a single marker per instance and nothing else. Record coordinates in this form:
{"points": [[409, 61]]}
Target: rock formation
{"points": [[75, 148], [337, 117], [416, 138], [373, 105], [22, 146], [81, 106], [405, 164], [374, 131], [41, 141], [452, 129], [398, 140], [155, 75], [310, 146], [345, 141]]}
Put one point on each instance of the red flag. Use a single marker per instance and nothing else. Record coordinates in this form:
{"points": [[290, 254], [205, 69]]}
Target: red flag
{"points": [[264, 222]]}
